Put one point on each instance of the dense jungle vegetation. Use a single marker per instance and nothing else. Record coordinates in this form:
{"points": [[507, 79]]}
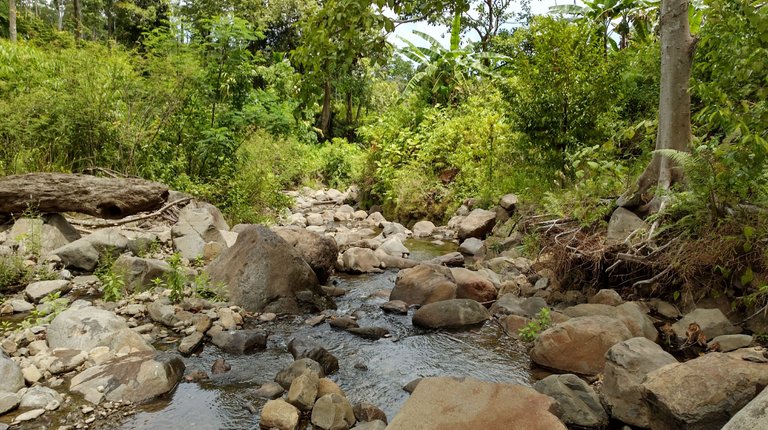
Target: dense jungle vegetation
{"points": [[235, 100]]}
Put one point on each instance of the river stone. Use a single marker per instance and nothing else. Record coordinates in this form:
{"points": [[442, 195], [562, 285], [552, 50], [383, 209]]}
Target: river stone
{"points": [[423, 229], [712, 322], [135, 377], [12, 379], [394, 247], [730, 342], [189, 343], [473, 285], [510, 304], [8, 401], [477, 224], [508, 202], [703, 393], [629, 313], [270, 390], [41, 397], [162, 313], [19, 305], [424, 284], [342, 322], [360, 260], [626, 366], [29, 415], [471, 246], [317, 250], [607, 297], [371, 333], [333, 412], [622, 223], [754, 416], [456, 313], [80, 254], [395, 306], [303, 390], [199, 222], [37, 291], [371, 425], [139, 272], [286, 376], [304, 348], [327, 386], [85, 327], [469, 404], [240, 341], [367, 412], [579, 344], [266, 274], [579, 403], [65, 360], [279, 414]]}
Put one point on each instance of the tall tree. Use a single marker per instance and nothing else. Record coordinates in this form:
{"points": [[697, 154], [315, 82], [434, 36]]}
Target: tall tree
{"points": [[12, 19], [674, 132], [78, 20]]}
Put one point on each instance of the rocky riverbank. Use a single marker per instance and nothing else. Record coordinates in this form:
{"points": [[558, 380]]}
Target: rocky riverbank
{"points": [[189, 281]]}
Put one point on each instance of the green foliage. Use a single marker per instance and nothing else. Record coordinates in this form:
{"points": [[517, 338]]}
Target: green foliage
{"points": [[339, 162], [176, 279], [531, 331], [202, 287], [51, 306], [112, 280]]}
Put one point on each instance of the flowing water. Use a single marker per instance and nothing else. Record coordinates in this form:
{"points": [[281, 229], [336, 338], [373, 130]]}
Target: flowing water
{"points": [[370, 371]]}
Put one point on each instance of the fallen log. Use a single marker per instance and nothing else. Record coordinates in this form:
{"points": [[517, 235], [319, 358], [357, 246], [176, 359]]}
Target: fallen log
{"points": [[109, 198]]}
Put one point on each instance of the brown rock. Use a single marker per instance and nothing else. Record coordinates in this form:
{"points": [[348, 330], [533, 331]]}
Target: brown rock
{"points": [[424, 284]]}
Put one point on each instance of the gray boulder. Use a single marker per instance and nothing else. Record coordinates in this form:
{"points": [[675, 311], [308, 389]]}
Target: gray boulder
{"points": [[477, 224], [471, 246], [8, 401], [423, 229], [319, 251], [304, 348], [286, 376], [136, 377], [622, 223], [38, 397], [240, 341], [12, 380], [264, 273], [712, 322], [37, 291], [139, 272], [360, 260], [424, 284], [730, 342], [580, 406], [456, 313], [84, 253], [754, 416]]}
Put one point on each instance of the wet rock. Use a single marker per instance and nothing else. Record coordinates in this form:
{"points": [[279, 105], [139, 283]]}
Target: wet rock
{"points": [[440, 403], [318, 251], [477, 224], [367, 412], [473, 285], [41, 397], [703, 393], [135, 377], [512, 324], [220, 366], [578, 402], [8, 401], [411, 386], [626, 366], [424, 284], [371, 333], [471, 246], [423, 229], [579, 344], [85, 327], [636, 322], [265, 274], [753, 416], [286, 376], [12, 379], [712, 322], [457, 313], [395, 306], [37, 291], [371, 425], [326, 386], [730, 342], [607, 297], [332, 412], [66, 360], [623, 223], [240, 341], [342, 322], [304, 348], [303, 391], [360, 260], [334, 291], [279, 414], [315, 320], [394, 246], [139, 272], [270, 390], [190, 343]]}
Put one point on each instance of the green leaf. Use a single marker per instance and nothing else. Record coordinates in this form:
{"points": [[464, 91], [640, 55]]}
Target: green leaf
{"points": [[747, 277]]}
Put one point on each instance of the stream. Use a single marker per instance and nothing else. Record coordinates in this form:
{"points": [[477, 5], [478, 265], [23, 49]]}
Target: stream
{"points": [[370, 371]]}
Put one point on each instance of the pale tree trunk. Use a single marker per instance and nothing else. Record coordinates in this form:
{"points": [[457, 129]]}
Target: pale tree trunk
{"points": [[12, 19], [59, 15], [674, 132]]}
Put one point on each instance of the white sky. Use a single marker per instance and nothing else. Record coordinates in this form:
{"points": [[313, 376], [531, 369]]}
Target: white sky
{"points": [[442, 33]]}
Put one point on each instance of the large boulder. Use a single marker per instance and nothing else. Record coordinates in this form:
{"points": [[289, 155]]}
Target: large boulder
{"points": [[477, 224], [704, 393], [473, 285], [136, 377], [455, 313], [37, 291], [623, 223], [360, 260], [12, 380], [629, 313], [424, 284], [423, 229], [469, 404], [240, 341], [626, 366], [333, 412], [139, 272], [264, 273], [49, 232], [85, 327], [84, 253], [279, 414], [318, 251], [579, 344], [579, 404], [712, 322], [753, 416]]}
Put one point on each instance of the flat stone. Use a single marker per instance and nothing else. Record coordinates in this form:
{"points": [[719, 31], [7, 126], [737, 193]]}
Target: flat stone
{"points": [[189, 343], [29, 415], [713, 323], [37, 291], [270, 390]]}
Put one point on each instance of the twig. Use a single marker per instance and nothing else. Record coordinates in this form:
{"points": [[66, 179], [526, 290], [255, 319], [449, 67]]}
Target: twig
{"points": [[754, 314], [639, 284], [129, 219]]}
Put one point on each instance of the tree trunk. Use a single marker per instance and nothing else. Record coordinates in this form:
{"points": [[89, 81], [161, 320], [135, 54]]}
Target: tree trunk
{"points": [[674, 132], [78, 20], [59, 192], [59, 15], [12, 19], [325, 115]]}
